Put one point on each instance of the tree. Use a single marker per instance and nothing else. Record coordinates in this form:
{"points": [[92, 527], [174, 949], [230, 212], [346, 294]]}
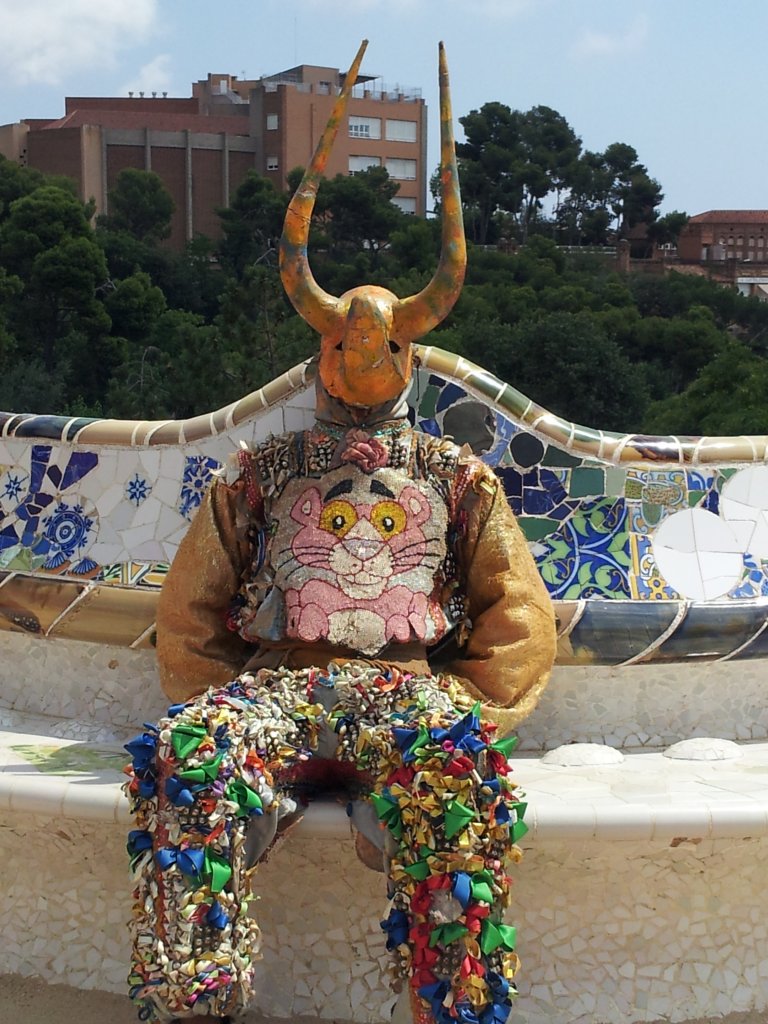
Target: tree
{"points": [[141, 205], [609, 191], [553, 359], [632, 195], [356, 212], [666, 230], [730, 396], [510, 162], [135, 305], [49, 244], [252, 224], [16, 182], [253, 326]]}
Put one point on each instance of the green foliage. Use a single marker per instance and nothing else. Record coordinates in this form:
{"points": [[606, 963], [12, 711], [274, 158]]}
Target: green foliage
{"points": [[141, 205], [47, 243], [729, 396], [252, 223], [112, 322]]}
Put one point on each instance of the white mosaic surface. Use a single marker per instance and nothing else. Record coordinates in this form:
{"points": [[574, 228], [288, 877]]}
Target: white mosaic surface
{"points": [[92, 691], [615, 932], [649, 706], [701, 554], [133, 503], [84, 691]]}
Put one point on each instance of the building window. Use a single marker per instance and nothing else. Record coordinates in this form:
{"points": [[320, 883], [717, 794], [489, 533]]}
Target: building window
{"points": [[362, 163], [406, 203], [405, 170], [273, 163], [273, 122], [401, 131], [760, 243], [364, 127]]}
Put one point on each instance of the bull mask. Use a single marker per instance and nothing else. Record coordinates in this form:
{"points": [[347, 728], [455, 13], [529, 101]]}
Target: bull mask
{"points": [[365, 349]]}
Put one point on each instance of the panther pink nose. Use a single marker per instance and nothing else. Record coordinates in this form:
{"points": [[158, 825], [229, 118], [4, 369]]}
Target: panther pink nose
{"points": [[362, 548]]}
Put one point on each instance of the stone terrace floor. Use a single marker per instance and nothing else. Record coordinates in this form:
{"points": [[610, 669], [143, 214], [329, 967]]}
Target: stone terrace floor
{"points": [[28, 1001]]}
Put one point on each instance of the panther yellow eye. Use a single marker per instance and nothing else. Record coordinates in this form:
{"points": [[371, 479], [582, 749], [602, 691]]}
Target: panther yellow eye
{"points": [[338, 517], [389, 518]]}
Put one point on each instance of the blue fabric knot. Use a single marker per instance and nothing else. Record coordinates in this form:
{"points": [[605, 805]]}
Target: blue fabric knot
{"points": [[217, 916], [138, 841], [189, 862], [179, 794], [396, 927], [142, 750], [461, 887]]}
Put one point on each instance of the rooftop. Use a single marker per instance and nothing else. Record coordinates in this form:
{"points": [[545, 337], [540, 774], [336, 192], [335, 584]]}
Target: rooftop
{"points": [[731, 216]]}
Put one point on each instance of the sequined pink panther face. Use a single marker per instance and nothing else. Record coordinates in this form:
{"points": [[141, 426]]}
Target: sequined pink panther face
{"points": [[362, 543]]}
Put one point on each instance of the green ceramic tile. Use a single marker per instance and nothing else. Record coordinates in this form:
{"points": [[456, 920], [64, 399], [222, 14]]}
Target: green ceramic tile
{"points": [[694, 497], [633, 489], [615, 479], [535, 528], [554, 456], [428, 402], [652, 513], [587, 483]]}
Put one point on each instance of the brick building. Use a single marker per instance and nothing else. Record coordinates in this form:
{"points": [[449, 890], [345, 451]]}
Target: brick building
{"points": [[719, 235], [203, 146]]}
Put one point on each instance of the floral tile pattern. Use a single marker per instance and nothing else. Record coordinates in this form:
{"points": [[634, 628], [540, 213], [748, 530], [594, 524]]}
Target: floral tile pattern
{"points": [[600, 525], [588, 556], [198, 470]]}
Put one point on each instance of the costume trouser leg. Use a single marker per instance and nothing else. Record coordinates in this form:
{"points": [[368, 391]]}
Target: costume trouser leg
{"points": [[443, 793], [206, 787], [205, 791]]}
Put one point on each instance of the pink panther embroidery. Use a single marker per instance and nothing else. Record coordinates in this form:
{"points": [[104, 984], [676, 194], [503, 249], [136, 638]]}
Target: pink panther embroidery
{"points": [[362, 565]]}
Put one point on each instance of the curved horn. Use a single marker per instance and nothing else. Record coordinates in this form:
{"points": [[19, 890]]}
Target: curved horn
{"points": [[322, 311], [417, 315]]}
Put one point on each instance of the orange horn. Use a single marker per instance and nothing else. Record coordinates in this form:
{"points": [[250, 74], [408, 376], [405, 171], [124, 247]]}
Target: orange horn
{"points": [[416, 316], [322, 311]]}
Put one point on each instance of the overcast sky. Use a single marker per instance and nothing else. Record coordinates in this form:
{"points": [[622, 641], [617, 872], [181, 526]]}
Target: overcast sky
{"points": [[683, 81]]}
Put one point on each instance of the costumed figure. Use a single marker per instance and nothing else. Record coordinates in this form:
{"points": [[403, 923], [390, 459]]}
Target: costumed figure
{"points": [[293, 634]]}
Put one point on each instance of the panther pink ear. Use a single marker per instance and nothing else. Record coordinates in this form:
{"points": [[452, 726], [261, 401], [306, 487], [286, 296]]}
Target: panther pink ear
{"points": [[306, 508], [416, 505]]}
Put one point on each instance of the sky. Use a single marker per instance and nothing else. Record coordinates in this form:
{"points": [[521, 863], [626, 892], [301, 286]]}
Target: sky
{"points": [[682, 81]]}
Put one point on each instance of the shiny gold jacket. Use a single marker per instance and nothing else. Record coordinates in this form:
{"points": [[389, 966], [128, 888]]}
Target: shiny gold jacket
{"points": [[503, 647]]}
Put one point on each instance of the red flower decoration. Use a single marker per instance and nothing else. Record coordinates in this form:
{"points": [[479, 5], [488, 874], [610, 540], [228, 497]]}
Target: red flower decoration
{"points": [[365, 451]]}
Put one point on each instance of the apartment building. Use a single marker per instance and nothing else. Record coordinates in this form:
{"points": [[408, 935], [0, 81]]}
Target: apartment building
{"points": [[719, 235], [203, 146]]}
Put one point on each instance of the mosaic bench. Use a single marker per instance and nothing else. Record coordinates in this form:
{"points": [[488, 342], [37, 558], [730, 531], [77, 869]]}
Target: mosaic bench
{"points": [[655, 551]]}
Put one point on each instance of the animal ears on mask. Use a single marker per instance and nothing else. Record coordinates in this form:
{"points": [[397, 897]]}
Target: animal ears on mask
{"points": [[418, 314]]}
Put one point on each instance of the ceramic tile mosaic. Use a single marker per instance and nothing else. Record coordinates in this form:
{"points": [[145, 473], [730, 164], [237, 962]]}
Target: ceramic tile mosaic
{"points": [[609, 518], [616, 932], [656, 550]]}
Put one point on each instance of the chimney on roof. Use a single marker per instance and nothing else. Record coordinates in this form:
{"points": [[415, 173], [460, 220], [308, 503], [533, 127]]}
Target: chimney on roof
{"points": [[154, 95], [130, 94], [164, 95], [141, 93]]}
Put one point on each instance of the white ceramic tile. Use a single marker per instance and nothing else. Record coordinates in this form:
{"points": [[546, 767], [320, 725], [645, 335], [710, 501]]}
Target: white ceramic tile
{"points": [[150, 458], [171, 463], [748, 486]]}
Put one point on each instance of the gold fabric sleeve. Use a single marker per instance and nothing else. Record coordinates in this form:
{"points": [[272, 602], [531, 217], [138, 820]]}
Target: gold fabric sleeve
{"points": [[195, 649], [509, 654]]}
